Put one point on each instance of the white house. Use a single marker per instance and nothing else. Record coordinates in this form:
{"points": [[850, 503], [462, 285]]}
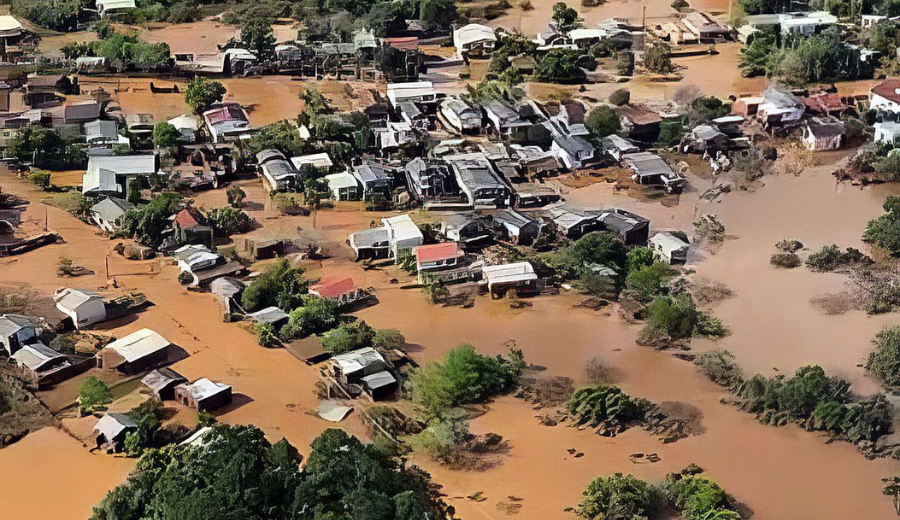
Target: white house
{"points": [[519, 274], [320, 160], [187, 126], [109, 173], [419, 91], [402, 234], [108, 7], [108, 213], [227, 122], [84, 307], [343, 186], [670, 247], [474, 40]]}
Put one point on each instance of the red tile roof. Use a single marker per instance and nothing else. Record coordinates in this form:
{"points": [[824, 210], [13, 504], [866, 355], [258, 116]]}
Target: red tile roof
{"points": [[188, 218], [409, 43], [888, 89], [435, 252], [333, 287]]}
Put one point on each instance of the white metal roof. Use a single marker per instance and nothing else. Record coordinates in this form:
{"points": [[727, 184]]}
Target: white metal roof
{"points": [[472, 33], [112, 424], [319, 160], [9, 23], [185, 121], [397, 92], [508, 273], [668, 242], [357, 360], [94, 179], [138, 345], [204, 388], [73, 298], [402, 227], [337, 181]]}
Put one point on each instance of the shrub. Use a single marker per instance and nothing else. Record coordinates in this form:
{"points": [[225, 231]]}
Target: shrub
{"points": [[617, 497], [317, 315], [607, 407], [675, 316], [388, 339], [266, 335], [603, 121], [699, 498], [281, 285], [639, 257], [464, 376], [40, 178], [93, 395], [648, 281], [720, 367], [227, 221], [710, 327], [786, 260], [830, 258], [201, 93], [884, 360], [620, 97], [656, 58], [789, 246], [348, 337], [527, 5], [165, 135]]}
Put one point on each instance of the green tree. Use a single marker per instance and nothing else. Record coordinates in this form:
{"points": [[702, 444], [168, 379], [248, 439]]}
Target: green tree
{"points": [[564, 17], [561, 66], [258, 38], [148, 224], [884, 360], [165, 135], [93, 395], [639, 257], [315, 316], [59, 15], [884, 231], [201, 93], [280, 285], [676, 316], [657, 60], [388, 339], [438, 15], [235, 196], [464, 376], [757, 57], [602, 121]]}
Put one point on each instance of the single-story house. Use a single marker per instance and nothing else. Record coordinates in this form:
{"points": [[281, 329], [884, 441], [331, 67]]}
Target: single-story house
{"points": [[478, 180], [272, 315], [136, 352], [370, 243], [640, 123], [108, 7], [474, 40], [885, 96], [81, 112], [103, 133], [343, 186], [434, 260], [366, 367], [574, 225], [190, 226], [465, 228], [416, 91], [616, 146], [823, 133], [204, 395], [15, 332], [671, 247], [502, 116], [109, 173], [512, 226], [111, 430], [374, 179], [519, 275], [162, 382], [276, 170], [187, 126], [572, 151], [108, 213], [84, 307], [226, 122], [651, 169], [319, 160], [36, 359], [704, 27], [632, 229], [343, 290]]}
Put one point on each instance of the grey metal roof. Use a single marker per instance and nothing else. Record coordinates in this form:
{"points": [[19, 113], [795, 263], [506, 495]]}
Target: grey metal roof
{"points": [[13, 323], [269, 154], [161, 378], [111, 208], [646, 164], [370, 237]]}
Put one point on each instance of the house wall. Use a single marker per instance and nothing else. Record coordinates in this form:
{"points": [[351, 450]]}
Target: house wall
{"points": [[884, 104], [87, 314], [13, 343]]}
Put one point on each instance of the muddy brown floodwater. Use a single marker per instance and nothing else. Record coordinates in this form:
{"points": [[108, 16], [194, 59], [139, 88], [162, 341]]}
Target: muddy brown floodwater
{"points": [[777, 472]]}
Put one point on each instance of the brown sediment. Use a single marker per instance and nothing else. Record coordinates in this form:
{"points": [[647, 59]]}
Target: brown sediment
{"points": [[49, 474]]}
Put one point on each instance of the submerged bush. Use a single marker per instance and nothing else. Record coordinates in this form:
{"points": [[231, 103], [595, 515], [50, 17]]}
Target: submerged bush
{"points": [[785, 260], [884, 360]]}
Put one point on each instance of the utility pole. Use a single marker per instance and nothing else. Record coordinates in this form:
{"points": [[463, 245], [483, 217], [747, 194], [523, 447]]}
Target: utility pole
{"points": [[644, 17]]}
